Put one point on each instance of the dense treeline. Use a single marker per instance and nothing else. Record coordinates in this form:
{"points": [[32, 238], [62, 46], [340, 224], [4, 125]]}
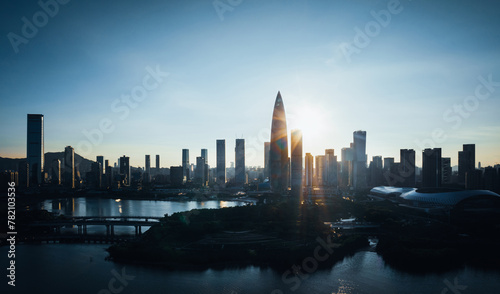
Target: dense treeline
{"points": [[279, 234]]}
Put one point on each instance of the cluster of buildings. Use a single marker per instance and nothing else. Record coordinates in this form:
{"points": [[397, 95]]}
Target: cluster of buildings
{"points": [[66, 171], [322, 173], [298, 172]]}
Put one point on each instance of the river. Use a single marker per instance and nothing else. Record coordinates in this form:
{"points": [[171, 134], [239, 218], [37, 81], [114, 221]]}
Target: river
{"points": [[82, 268]]}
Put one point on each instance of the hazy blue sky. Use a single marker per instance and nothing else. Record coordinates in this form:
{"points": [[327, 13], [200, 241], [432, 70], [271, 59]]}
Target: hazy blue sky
{"points": [[224, 74]]}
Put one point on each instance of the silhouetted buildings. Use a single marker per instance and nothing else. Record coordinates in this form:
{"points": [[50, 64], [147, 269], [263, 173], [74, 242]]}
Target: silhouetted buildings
{"points": [[204, 154], [278, 155], [125, 170], [221, 162], [296, 163], [407, 170], [388, 161], [100, 159], [94, 177], [69, 167], [309, 170], [23, 173], [319, 170], [185, 164], [267, 151], [7, 177], [376, 171], [55, 172], [147, 171], [199, 175], [346, 167], [239, 168], [35, 153], [109, 174], [446, 170], [176, 176], [467, 165], [359, 160], [331, 168], [431, 167]]}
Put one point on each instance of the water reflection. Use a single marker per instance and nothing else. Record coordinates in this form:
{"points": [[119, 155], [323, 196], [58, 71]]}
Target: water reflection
{"points": [[123, 207]]}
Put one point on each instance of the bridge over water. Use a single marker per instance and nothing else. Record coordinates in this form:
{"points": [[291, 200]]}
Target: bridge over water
{"points": [[352, 225], [82, 223]]}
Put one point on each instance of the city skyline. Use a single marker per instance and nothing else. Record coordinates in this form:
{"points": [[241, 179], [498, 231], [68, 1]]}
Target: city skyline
{"points": [[232, 146], [399, 90], [206, 151]]}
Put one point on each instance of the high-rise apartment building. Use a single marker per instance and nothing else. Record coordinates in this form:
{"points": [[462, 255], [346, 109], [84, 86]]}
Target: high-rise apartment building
{"points": [[296, 163], [221, 162], [35, 148], [431, 167], [239, 167]]}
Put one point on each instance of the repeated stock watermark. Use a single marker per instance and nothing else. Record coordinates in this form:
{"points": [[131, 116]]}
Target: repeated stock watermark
{"points": [[122, 106], [255, 144], [30, 27], [371, 29], [297, 273], [223, 6], [454, 115], [454, 287], [117, 283]]}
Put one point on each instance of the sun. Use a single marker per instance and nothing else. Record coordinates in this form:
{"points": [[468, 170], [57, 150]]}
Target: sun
{"points": [[310, 120]]}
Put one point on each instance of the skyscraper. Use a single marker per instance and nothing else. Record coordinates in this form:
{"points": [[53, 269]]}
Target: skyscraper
{"points": [[320, 170], [125, 170], [359, 160], [185, 164], [147, 171], [309, 169], [108, 176], [407, 167], [204, 154], [296, 164], [466, 163], [100, 159], [431, 167], [239, 167], [375, 171], [221, 162], [200, 171], [447, 172], [278, 156], [267, 150], [95, 179], [346, 167], [35, 148], [158, 163], [69, 167], [56, 172], [331, 168], [388, 162]]}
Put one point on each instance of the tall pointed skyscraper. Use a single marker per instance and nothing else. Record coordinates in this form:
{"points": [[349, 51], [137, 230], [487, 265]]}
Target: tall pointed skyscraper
{"points": [[278, 156]]}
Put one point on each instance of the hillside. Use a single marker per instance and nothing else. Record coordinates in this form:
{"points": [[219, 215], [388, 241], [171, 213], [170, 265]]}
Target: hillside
{"points": [[82, 163]]}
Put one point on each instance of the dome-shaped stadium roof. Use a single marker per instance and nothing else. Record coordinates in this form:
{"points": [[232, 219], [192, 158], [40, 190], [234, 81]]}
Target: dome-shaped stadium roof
{"points": [[448, 198]]}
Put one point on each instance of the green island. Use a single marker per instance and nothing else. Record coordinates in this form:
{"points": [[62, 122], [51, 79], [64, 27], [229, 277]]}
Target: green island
{"points": [[284, 233], [277, 235]]}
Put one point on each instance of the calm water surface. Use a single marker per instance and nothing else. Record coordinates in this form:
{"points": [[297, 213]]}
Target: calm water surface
{"points": [[82, 268]]}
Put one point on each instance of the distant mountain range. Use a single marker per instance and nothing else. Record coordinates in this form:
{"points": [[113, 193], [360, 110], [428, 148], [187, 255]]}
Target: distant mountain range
{"points": [[82, 164]]}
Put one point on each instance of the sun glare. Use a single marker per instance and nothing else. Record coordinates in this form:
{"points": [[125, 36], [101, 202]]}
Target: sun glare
{"points": [[310, 120]]}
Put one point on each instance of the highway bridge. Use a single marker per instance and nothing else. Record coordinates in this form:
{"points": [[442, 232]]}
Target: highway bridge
{"points": [[82, 222]]}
